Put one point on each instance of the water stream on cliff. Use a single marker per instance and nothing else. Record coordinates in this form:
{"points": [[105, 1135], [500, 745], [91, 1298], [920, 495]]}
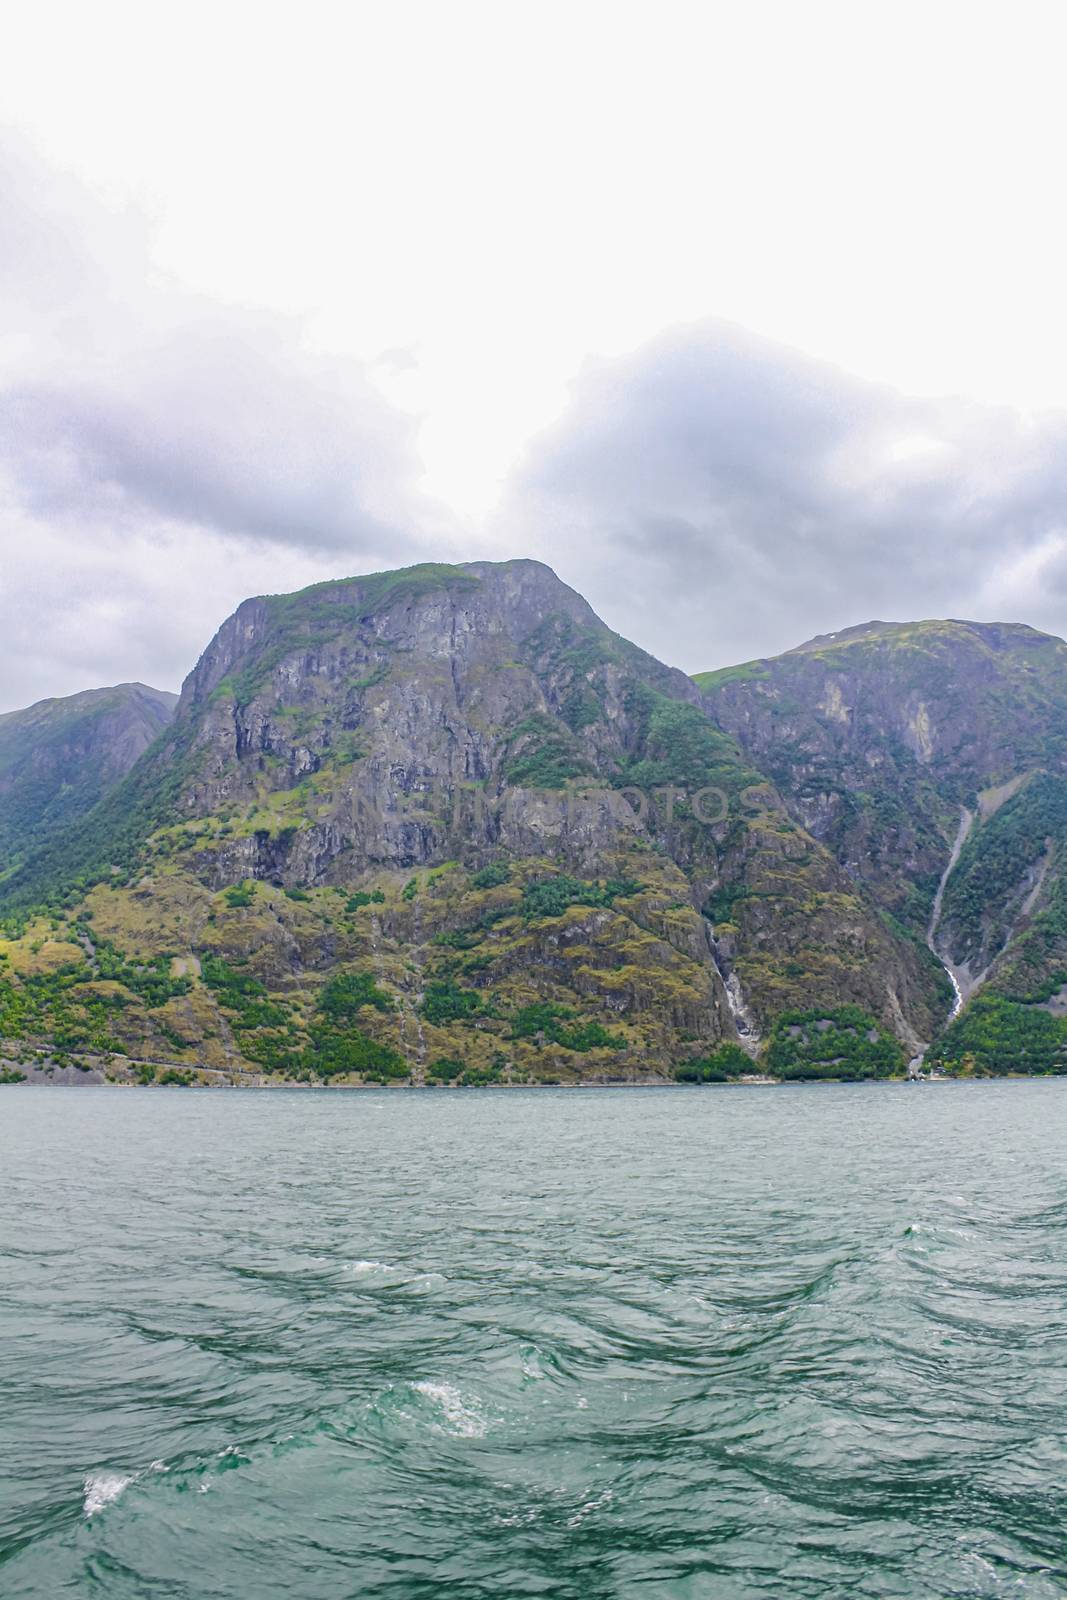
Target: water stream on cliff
{"points": [[966, 823], [744, 1021]]}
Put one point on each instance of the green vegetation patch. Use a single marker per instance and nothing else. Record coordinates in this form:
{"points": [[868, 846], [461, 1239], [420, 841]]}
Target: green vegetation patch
{"points": [[581, 707], [446, 1069], [242, 995], [62, 1008], [842, 1042], [336, 1052], [744, 672], [332, 1045], [680, 747], [169, 1078], [555, 1024], [445, 1001], [492, 876], [240, 895], [993, 864], [727, 1062], [380, 589], [1033, 968], [542, 754], [346, 993], [550, 897], [364, 897], [150, 979], [994, 1036], [721, 906]]}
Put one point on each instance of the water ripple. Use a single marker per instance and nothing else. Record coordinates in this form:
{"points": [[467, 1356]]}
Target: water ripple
{"points": [[678, 1345]]}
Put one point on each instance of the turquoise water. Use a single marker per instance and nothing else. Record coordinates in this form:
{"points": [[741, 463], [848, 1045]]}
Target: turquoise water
{"points": [[720, 1342]]}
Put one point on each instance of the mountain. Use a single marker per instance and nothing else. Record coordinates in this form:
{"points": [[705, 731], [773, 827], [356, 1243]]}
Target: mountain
{"points": [[443, 823], [911, 749], [59, 757]]}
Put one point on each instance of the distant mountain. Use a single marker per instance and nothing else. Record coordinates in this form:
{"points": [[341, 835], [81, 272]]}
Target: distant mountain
{"points": [[58, 758], [893, 743], [442, 823]]}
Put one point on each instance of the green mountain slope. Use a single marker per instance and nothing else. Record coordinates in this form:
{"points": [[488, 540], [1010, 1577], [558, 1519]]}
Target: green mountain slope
{"points": [[444, 823], [59, 757]]}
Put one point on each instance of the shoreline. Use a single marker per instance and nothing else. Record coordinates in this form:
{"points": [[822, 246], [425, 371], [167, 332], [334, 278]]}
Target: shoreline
{"points": [[124, 1072], [214, 1078]]}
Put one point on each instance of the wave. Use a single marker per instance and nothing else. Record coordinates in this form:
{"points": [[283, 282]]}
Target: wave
{"points": [[459, 1418], [101, 1488]]}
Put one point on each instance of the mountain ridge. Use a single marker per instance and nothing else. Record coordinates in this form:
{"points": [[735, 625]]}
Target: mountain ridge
{"points": [[451, 794], [61, 755]]}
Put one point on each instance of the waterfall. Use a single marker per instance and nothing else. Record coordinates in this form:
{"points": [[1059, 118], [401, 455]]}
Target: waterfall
{"points": [[747, 1030], [748, 1034], [966, 823]]}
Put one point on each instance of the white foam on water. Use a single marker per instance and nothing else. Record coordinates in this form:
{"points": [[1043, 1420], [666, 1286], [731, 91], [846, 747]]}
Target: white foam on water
{"points": [[101, 1488], [517, 1520], [361, 1267], [459, 1418], [589, 1507]]}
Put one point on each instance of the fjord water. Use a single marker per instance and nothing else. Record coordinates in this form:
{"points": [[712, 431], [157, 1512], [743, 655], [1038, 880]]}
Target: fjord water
{"points": [[721, 1342]]}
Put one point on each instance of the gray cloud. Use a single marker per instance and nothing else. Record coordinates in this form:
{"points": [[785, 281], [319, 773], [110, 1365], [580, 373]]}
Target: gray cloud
{"points": [[217, 422], [162, 455], [719, 497]]}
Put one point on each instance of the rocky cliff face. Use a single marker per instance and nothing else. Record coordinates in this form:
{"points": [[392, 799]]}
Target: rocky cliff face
{"points": [[879, 734], [60, 757], [456, 786], [881, 739]]}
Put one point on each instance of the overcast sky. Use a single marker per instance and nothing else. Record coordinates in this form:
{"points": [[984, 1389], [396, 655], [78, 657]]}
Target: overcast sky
{"points": [[749, 319]]}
